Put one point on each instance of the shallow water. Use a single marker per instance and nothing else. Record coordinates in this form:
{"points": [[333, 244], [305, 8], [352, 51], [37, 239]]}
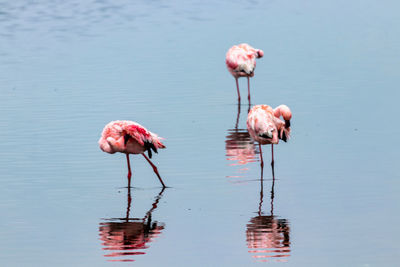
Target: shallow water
{"points": [[67, 69]]}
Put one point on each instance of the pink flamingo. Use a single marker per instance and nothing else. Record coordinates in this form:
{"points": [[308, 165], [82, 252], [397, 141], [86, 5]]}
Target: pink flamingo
{"points": [[241, 62], [130, 138], [266, 127]]}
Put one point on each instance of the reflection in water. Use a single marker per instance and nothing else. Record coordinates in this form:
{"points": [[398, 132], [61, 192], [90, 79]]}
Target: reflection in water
{"points": [[267, 236], [240, 148], [130, 236]]}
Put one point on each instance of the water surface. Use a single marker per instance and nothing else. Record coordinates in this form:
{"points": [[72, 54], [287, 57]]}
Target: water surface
{"points": [[67, 69]]}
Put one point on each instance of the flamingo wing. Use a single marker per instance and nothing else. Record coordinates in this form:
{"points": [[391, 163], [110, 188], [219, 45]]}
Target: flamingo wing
{"points": [[231, 61], [147, 139]]}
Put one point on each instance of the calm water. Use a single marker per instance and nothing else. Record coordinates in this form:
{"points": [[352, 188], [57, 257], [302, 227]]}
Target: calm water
{"points": [[68, 68]]}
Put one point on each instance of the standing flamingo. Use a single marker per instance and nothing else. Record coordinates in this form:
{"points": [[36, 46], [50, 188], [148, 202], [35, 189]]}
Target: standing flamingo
{"points": [[130, 138], [241, 62], [266, 127]]}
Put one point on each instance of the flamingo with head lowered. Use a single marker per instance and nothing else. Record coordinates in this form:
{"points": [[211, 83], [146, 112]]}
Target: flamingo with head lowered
{"points": [[266, 127], [129, 137], [241, 62]]}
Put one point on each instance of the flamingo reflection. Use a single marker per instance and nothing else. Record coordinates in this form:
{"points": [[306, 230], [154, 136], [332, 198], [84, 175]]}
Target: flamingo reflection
{"points": [[267, 236], [240, 148], [129, 236]]}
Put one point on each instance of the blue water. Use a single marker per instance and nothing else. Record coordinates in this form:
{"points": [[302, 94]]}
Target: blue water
{"points": [[68, 68]]}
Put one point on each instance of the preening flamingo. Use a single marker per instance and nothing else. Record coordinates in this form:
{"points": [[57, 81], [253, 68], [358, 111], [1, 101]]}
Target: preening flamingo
{"points": [[266, 127], [130, 138], [241, 62]]}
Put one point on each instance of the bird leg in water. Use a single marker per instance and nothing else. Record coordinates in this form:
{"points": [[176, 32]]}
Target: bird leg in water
{"points": [[248, 88], [262, 171], [237, 87], [129, 170], [261, 157], [154, 169], [272, 190], [273, 177], [128, 208], [237, 117], [261, 194], [272, 151]]}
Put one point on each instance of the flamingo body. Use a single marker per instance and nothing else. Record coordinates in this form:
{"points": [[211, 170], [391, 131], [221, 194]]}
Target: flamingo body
{"points": [[130, 138], [266, 127], [241, 62]]}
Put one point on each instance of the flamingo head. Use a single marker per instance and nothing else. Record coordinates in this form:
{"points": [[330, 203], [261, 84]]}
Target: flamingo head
{"points": [[286, 114], [260, 53]]}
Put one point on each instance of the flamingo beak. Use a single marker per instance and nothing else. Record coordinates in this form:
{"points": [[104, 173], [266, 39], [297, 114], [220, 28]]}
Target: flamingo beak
{"points": [[287, 123], [283, 136]]}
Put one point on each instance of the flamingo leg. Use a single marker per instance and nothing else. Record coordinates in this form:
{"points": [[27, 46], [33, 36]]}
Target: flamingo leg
{"points": [[237, 118], [128, 208], [154, 169], [262, 171], [248, 88], [261, 193], [129, 170], [272, 151], [237, 87], [272, 190], [261, 157], [262, 183]]}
